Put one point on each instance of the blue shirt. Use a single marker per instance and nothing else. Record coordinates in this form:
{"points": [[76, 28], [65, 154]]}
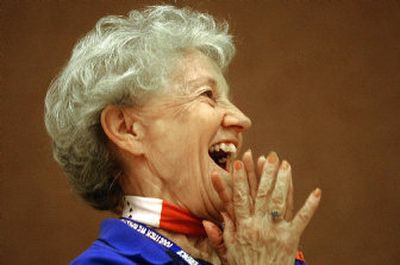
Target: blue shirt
{"points": [[118, 244]]}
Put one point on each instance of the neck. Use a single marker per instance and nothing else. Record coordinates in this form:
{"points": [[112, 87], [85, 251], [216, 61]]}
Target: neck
{"points": [[201, 201], [140, 180]]}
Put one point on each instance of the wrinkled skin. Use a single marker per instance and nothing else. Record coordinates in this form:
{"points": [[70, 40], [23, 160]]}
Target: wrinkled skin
{"points": [[251, 235]]}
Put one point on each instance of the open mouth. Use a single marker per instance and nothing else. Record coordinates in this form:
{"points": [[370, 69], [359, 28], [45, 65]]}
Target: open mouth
{"points": [[223, 154]]}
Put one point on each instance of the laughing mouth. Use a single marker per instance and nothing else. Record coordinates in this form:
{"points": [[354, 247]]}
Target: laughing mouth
{"points": [[223, 154]]}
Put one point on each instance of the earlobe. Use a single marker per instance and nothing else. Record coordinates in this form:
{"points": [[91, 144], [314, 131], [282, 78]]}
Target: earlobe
{"points": [[122, 128]]}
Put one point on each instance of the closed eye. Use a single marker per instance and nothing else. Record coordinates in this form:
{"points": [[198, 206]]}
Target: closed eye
{"points": [[208, 93]]}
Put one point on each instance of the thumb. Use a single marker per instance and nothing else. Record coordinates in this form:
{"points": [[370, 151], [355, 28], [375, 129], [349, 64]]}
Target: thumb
{"points": [[305, 214], [216, 238]]}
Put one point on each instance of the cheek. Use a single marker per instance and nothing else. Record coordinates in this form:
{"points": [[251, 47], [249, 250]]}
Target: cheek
{"points": [[159, 140], [208, 116], [170, 141]]}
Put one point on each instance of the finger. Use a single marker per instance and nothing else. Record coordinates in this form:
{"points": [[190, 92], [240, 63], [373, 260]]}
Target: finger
{"points": [[241, 195], [280, 192], [289, 201], [224, 192], [305, 214], [251, 173], [216, 238], [260, 165], [267, 181], [229, 229]]}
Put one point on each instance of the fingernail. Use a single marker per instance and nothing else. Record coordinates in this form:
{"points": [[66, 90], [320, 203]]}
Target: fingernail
{"points": [[237, 164], [248, 151], [207, 224], [317, 193], [224, 216], [285, 165], [272, 158]]}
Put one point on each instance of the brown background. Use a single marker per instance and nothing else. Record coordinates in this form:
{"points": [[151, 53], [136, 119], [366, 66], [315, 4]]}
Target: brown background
{"points": [[320, 79]]}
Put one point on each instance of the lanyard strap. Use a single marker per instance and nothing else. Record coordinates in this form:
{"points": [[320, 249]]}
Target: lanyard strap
{"points": [[159, 239]]}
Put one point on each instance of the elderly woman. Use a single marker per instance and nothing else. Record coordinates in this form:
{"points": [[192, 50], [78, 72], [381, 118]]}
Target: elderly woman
{"points": [[142, 125]]}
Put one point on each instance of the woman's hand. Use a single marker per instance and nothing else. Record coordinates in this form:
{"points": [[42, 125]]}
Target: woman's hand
{"points": [[259, 228]]}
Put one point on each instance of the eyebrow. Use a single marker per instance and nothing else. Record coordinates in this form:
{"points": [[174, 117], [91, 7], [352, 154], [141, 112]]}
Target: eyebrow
{"points": [[206, 81]]}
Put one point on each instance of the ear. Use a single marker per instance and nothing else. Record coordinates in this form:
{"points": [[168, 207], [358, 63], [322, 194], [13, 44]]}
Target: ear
{"points": [[123, 128]]}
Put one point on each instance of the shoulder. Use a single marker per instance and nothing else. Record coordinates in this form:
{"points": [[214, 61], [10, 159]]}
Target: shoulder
{"points": [[97, 255]]}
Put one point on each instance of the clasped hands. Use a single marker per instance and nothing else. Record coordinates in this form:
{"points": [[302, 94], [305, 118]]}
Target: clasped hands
{"points": [[259, 227]]}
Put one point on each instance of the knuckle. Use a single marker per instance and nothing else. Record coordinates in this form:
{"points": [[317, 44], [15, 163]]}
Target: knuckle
{"points": [[262, 194], [265, 186], [304, 216], [269, 169]]}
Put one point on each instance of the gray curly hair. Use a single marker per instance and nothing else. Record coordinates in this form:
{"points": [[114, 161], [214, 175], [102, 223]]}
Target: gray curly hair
{"points": [[118, 63]]}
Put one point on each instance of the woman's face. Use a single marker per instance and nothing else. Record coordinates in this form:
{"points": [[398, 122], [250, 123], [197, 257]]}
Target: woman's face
{"points": [[184, 125]]}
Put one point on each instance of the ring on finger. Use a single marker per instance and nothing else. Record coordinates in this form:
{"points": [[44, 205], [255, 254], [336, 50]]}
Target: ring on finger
{"points": [[275, 215]]}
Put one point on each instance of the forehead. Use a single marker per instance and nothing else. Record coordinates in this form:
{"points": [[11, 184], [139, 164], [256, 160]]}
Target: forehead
{"points": [[194, 70]]}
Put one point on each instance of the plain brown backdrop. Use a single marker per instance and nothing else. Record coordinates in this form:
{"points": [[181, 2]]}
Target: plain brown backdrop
{"points": [[320, 80]]}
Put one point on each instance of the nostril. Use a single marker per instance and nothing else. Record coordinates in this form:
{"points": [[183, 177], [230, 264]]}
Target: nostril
{"points": [[239, 129]]}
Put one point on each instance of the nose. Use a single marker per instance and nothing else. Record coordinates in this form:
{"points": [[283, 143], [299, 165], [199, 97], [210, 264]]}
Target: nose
{"points": [[235, 118]]}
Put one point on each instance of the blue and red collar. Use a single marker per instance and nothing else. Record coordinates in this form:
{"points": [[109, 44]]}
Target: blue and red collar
{"points": [[158, 213]]}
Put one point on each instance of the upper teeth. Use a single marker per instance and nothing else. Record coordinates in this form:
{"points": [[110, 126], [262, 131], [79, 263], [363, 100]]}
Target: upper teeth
{"points": [[226, 147]]}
